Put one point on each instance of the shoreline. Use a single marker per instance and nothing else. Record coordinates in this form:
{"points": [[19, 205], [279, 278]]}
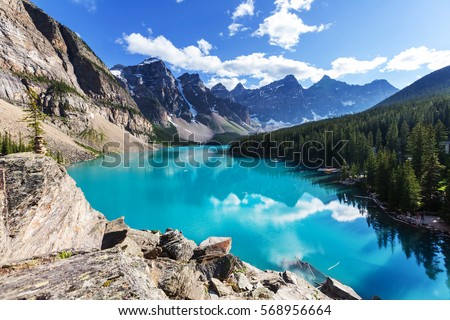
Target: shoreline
{"points": [[420, 220]]}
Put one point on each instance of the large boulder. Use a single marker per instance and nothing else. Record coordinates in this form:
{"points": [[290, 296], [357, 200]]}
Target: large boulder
{"points": [[220, 288], [42, 211], [242, 282], [177, 246], [132, 241], [338, 291], [115, 233], [213, 246], [177, 280], [219, 267]]}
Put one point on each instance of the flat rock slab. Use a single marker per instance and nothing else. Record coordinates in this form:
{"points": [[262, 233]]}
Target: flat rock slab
{"points": [[338, 291], [104, 275]]}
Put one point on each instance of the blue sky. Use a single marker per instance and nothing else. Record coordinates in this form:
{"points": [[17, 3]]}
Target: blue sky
{"points": [[259, 41]]}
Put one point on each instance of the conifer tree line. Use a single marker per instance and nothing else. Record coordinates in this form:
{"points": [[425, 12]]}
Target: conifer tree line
{"points": [[396, 149], [8, 145]]}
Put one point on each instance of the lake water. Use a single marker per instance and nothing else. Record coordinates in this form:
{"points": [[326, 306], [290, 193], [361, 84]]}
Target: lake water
{"points": [[275, 215]]}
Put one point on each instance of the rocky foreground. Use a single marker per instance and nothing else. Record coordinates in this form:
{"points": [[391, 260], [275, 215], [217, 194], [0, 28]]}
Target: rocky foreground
{"points": [[53, 245]]}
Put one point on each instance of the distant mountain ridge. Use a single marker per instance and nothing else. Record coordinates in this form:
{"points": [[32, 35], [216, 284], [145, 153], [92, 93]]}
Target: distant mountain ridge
{"points": [[286, 100], [186, 101]]}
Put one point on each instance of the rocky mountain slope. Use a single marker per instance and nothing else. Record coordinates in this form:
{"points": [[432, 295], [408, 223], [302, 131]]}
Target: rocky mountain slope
{"points": [[73, 84], [287, 102], [281, 100], [53, 245], [332, 97], [184, 103], [436, 83]]}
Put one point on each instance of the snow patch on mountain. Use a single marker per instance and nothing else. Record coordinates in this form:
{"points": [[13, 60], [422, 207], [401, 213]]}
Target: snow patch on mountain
{"points": [[191, 107]]}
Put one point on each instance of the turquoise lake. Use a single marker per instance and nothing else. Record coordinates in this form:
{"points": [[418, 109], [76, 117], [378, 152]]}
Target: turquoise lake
{"points": [[275, 215]]}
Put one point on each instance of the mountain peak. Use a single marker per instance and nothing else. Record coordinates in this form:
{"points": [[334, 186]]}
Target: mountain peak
{"points": [[189, 77], [239, 86], [238, 89], [290, 78], [219, 87], [325, 79], [382, 82], [118, 67]]}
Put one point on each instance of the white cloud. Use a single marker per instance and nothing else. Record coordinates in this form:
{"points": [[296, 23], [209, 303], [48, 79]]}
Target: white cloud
{"points": [[294, 4], [256, 65], [189, 58], [91, 5], [235, 28], [204, 46], [284, 27], [416, 58], [246, 8], [343, 66], [180, 1]]}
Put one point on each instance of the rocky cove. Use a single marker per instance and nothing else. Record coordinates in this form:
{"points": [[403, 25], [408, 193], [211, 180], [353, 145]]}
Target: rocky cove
{"points": [[53, 245]]}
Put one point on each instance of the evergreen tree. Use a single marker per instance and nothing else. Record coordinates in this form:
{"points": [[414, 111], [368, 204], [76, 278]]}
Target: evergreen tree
{"points": [[403, 140], [441, 132], [431, 175], [34, 116], [371, 168], [392, 137], [378, 140], [410, 192], [370, 139], [395, 185]]}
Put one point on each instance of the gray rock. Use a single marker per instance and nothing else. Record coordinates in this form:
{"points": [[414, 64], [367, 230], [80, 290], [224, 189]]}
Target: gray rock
{"points": [[221, 289], [290, 277], [242, 282], [271, 280], [338, 291], [43, 210], [213, 246], [219, 267], [177, 280], [177, 246], [147, 240], [153, 254], [109, 274], [131, 247], [132, 241], [261, 294], [115, 233]]}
